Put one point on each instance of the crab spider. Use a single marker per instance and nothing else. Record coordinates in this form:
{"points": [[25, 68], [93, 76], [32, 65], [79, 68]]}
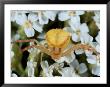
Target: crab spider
{"points": [[58, 40]]}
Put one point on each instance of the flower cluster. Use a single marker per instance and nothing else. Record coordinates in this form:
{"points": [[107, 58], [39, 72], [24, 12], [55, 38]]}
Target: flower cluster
{"points": [[84, 27]]}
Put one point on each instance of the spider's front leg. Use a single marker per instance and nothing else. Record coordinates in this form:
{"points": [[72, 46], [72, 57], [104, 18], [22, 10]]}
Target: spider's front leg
{"points": [[37, 45], [80, 46]]}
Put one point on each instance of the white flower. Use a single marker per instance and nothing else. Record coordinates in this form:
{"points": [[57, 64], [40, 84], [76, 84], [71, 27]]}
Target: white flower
{"points": [[13, 16], [33, 51], [30, 66], [77, 29], [65, 15], [29, 23], [86, 39], [97, 18], [44, 16], [78, 33], [14, 75], [68, 72], [15, 13], [46, 70], [94, 61], [81, 68], [50, 15], [79, 51], [68, 58], [96, 70], [90, 57], [12, 53], [41, 36]]}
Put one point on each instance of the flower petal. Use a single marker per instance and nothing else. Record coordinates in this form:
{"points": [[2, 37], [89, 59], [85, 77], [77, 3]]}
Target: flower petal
{"points": [[75, 64], [91, 59], [20, 18], [41, 36], [29, 32], [98, 48], [82, 68], [84, 28], [45, 66], [68, 58], [88, 53], [12, 54], [80, 51], [96, 70], [74, 22], [13, 15], [63, 16], [50, 15], [37, 27], [79, 12], [32, 17], [42, 19], [30, 67], [86, 38], [14, 75], [67, 72], [75, 37]]}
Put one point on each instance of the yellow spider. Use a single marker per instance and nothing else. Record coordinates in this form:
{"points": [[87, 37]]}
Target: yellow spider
{"points": [[58, 40]]}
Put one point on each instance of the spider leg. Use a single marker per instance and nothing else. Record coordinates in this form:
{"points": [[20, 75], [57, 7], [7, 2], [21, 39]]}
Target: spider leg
{"points": [[79, 46], [19, 41], [39, 46], [43, 49], [28, 47]]}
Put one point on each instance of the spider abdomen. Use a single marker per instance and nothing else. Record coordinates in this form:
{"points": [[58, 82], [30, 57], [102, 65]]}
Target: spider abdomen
{"points": [[57, 38]]}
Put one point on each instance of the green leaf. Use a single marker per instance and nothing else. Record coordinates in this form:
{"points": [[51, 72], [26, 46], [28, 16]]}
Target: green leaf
{"points": [[93, 29]]}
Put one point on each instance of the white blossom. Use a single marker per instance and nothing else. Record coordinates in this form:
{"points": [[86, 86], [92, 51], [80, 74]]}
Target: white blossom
{"points": [[96, 70], [44, 16], [30, 66], [79, 51], [68, 58], [81, 68], [66, 15], [15, 13], [47, 72], [13, 75], [28, 23], [93, 60], [68, 72], [90, 57], [77, 29], [86, 39], [12, 53]]}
